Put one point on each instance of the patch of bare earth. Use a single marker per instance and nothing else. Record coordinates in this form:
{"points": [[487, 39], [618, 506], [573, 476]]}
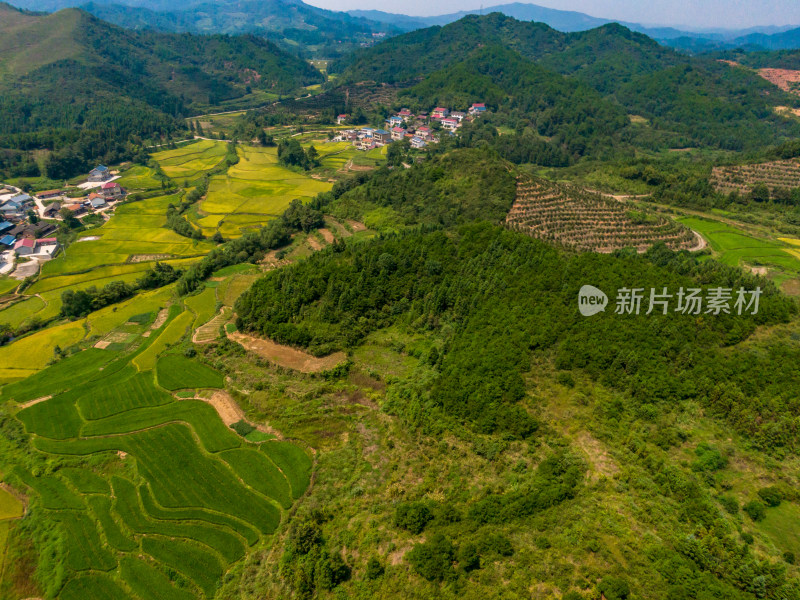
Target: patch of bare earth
{"points": [[314, 243], [230, 412], [286, 356], [356, 226], [34, 402], [327, 235], [602, 464], [103, 344], [160, 319], [786, 79], [137, 258]]}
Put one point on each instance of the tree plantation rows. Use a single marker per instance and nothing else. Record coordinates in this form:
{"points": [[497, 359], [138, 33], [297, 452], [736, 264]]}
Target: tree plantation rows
{"points": [[589, 222]]}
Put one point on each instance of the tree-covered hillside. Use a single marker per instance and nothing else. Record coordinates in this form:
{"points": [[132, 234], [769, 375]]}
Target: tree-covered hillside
{"points": [[78, 86], [678, 100]]}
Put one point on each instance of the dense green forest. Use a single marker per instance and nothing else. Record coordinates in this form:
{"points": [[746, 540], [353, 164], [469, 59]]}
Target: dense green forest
{"points": [[684, 101]]}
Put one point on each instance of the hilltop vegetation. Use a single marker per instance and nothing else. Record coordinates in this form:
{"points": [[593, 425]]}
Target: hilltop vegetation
{"points": [[685, 101], [91, 91]]}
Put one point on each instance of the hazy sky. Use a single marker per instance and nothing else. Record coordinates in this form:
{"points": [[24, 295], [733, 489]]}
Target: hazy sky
{"points": [[695, 13]]}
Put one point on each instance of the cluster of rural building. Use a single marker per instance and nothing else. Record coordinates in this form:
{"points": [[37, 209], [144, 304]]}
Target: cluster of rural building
{"points": [[28, 222], [405, 125]]}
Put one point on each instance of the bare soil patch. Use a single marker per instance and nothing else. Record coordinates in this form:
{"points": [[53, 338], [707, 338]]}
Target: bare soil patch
{"points": [[356, 226], [314, 243], [230, 412], [327, 235], [34, 402], [137, 258], [786, 79], [286, 356], [103, 344], [160, 319], [601, 462]]}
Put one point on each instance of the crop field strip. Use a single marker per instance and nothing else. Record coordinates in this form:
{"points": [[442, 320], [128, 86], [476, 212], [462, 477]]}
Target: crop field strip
{"points": [[588, 221], [205, 496], [742, 178], [252, 192], [738, 248]]}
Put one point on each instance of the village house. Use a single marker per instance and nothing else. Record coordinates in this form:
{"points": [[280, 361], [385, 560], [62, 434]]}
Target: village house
{"points": [[381, 136], [46, 247], [25, 247], [51, 210], [405, 114], [16, 207], [398, 133], [76, 209], [450, 124], [98, 202], [99, 173], [32, 230], [459, 116], [341, 119], [112, 191], [8, 240], [395, 121], [440, 113], [418, 143], [5, 226], [477, 109], [424, 132], [47, 194]]}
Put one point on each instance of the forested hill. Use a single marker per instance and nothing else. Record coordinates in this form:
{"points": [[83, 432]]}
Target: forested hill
{"points": [[71, 68], [294, 23], [682, 101]]}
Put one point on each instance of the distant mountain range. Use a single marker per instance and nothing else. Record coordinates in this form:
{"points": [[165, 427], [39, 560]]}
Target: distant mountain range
{"points": [[297, 25], [771, 38]]}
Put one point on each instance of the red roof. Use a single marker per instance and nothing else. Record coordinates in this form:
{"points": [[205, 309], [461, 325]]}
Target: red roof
{"points": [[110, 185], [342, 116], [439, 109], [398, 130], [49, 192], [44, 241], [26, 243], [74, 207], [424, 129]]}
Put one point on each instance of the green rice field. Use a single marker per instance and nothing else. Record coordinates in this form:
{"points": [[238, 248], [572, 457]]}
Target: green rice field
{"points": [[737, 248]]}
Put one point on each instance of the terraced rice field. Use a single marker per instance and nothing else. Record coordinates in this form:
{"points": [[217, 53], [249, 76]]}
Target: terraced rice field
{"points": [[139, 177], [741, 178], [191, 161], [588, 221], [198, 500], [735, 247], [136, 231], [252, 192]]}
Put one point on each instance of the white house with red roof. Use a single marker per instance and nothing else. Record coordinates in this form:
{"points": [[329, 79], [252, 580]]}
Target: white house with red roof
{"points": [[405, 113], [440, 112], [424, 132], [450, 124], [398, 133], [341, 119]]}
